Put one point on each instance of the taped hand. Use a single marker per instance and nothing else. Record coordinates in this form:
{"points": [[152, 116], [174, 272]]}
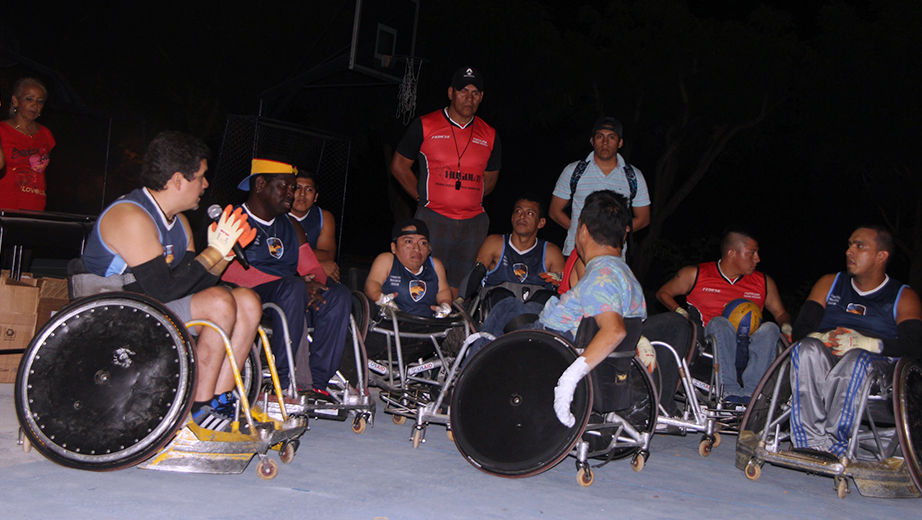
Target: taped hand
{"points": [[646, 354], [442, 310], [566, 386]]}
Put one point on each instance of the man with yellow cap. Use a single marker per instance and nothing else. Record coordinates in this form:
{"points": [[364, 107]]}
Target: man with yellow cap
{"points": [[285, 271]]}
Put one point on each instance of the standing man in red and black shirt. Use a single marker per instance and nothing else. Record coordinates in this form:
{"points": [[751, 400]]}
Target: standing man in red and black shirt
{"points": [[459, 162]]}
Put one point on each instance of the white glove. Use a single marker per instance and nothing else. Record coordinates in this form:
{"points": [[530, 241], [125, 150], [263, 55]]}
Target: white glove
{"points": [[444, 309], [223, 234], [786, 329], [566, 385], [681, 311], [852, 340], [387, 300], [646, 354]]}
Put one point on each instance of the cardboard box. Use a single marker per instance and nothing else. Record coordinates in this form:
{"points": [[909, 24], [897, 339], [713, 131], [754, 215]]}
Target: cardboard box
{"points": [[53, 288], [18, 312], [9, 365], [47, 307]]}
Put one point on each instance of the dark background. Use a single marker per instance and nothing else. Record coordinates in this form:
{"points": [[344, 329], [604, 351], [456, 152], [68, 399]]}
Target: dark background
{"points": [[797, 120]]}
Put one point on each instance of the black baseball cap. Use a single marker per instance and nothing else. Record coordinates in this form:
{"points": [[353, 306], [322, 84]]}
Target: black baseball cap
{"points": [[608, 123], [467, 76], [418, 228]]}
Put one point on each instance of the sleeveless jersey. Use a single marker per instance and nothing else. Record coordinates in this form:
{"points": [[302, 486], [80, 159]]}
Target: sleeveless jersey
{"points": [[416, 293], [275, 249], [312, 223], [713, 290], [873, 314], [519, 268], [102, 261], [452, 164]]}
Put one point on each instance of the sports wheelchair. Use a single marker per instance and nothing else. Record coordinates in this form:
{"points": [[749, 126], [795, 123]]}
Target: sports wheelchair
{"points": [[413, 360], [348, 388], [882, 454], [107, 384], [502, 412]]}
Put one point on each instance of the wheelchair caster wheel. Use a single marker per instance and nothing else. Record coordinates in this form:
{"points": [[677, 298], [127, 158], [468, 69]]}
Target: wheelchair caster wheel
{"points": [[288, 450], [24, 441], [451, 435], [267, 469], [359, 424], [704, 447], [716, 442], [398, 419], [842, 487], [417, 438], [638, 461], [585, 477], [753, 470]]}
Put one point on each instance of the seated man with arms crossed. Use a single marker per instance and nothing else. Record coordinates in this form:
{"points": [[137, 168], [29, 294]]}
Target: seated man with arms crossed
{"points": [[519, 257], [855, 320], [407, 278], [319, 225], [145, 233], [283, 270]]}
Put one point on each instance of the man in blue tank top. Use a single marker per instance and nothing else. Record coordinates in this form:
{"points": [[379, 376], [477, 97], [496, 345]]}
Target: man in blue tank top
{"points": [[285, 271], [407, 278], [852, 322], [319, 225], [145, 233]]}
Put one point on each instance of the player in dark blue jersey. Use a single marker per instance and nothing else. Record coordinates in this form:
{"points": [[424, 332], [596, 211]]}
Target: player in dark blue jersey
{"points": [[854, 321], [319, 225], [407, 278]]}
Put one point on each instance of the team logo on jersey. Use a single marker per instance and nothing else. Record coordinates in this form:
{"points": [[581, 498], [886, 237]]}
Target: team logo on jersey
{"points": [[417, 290], [168, 253], [856, 308], [276, 247], [520, 270]]}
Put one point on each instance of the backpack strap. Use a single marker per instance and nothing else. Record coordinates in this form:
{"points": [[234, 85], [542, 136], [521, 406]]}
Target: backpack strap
{"points": [[631, 181], [574, 179]]}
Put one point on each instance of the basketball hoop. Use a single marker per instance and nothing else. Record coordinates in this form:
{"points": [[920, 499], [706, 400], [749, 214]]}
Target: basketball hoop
{"points": [[406, 93]]}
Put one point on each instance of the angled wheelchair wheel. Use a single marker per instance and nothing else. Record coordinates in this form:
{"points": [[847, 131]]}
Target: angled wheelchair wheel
{"points": [[502, 407], [763, 402], [252, 373], [106, 382], [907, 406], [641, 414]]}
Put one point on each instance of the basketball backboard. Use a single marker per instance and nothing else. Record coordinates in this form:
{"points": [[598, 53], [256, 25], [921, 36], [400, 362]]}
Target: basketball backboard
{"points": [[383, 30]]}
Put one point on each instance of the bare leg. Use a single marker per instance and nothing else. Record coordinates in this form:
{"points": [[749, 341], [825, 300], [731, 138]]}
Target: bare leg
{"points": [[249, 312], [219, 306]]}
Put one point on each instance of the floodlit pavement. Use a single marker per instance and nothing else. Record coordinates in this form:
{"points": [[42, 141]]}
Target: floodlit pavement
{"points": [[378, 475]]}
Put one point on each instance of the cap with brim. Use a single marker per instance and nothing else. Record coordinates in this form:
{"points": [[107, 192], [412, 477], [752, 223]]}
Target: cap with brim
{"points": [[418, 227], [467, 76], [608, 123], [264, 167]]}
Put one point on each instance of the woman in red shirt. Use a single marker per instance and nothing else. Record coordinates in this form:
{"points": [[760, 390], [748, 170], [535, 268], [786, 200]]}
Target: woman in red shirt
{"points": [[26, 148]]}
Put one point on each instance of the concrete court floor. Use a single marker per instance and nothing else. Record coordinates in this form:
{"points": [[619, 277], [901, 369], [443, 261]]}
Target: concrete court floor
{"points": [[378, 475]]}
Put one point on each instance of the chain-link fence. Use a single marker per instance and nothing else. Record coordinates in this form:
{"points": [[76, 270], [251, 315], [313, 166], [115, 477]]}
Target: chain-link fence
{"points": [[247, 137]]}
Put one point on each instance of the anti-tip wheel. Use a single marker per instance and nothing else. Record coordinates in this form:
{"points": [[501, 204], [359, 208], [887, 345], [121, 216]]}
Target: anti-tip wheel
{"points": [[716, 442], [359, 424], [753, 470], [704, 447], [417, 438], [842, 487], [26, 443], [585, 477], [287, 452], [267, 469], [638, 461], [399, 419], [451, 435]]}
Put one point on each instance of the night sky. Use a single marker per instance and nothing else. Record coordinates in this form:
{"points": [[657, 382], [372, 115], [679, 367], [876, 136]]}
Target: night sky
{"points": [[837, 147]]}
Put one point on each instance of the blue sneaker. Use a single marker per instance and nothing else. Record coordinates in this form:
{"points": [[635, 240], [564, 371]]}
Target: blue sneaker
{"points": [[225, 404]]}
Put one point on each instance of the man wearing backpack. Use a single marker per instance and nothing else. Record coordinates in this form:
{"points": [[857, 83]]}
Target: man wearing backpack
{"points": [[603, 169]]}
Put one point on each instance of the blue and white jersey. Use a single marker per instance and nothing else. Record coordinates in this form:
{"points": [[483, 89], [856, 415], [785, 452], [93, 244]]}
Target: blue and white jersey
{"points": [[275, 249], [516, 267], [103, 261], [312, 223], [416, 293], [872, 314]]}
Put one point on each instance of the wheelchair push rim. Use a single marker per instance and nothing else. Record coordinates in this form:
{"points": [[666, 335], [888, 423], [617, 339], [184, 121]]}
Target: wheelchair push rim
{"points": [[907, 406], [106, 383], [502, 412]]}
